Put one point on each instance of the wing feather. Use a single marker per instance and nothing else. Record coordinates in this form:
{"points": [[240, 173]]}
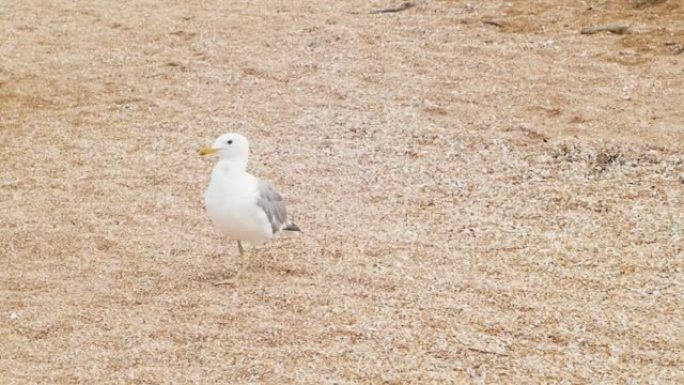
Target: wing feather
{"points": [[271, 202]]}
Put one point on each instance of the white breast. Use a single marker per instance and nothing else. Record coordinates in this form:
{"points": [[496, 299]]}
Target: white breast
{"points": [[230, 201]]}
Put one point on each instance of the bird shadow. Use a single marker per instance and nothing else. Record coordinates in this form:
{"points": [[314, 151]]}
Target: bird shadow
{"points": [[259, 264]]}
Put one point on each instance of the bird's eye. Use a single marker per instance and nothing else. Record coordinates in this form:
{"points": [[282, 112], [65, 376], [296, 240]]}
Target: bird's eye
{"points": [[230, 142]]}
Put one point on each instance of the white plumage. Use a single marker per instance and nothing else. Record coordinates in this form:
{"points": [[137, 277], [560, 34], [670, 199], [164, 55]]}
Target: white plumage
{"points": [[231, 203], [241, 206]]}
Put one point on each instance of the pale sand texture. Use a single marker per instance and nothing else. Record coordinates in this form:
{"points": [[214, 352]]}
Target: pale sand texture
{"points": [[495, 202]]}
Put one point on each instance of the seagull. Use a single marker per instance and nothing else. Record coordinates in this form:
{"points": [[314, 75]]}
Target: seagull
{"points": [[243, 207]]}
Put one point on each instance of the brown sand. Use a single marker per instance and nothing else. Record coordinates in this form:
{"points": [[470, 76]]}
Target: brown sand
{"points": [[487, 195]]}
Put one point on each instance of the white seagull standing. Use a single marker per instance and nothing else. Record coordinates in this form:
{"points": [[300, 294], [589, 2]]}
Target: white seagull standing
{"points": [[241, 206]]}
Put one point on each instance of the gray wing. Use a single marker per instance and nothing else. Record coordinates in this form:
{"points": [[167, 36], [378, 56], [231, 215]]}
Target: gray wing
{"points": [[273, 205]]}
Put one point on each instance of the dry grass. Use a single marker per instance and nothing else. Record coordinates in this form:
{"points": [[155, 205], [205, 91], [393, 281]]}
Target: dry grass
{"points": [[482, 203]]}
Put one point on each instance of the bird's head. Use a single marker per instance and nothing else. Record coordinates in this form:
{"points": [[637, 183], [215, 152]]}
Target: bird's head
{"points": [[228, 146]]}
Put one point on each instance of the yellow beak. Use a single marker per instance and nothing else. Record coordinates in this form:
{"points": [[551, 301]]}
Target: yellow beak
{"points": [[207, 151]]}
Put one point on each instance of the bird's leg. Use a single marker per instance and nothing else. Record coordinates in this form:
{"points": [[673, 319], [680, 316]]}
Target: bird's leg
{"points": [[245, 261]]}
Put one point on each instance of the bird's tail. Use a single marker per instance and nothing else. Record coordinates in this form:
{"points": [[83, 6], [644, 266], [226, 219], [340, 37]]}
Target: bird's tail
{"points": [[291, 227]]}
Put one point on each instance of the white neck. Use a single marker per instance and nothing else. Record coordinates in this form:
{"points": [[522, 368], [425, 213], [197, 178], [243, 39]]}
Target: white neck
{"points": [[226, 166]]}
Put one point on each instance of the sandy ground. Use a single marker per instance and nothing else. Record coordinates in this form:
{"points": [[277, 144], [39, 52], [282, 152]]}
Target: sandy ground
{"points": [[487, 195]]}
